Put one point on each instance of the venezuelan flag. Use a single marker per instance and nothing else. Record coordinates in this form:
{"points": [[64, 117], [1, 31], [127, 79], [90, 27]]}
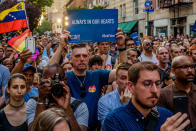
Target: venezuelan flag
{"points": [[18, 43], [13, 19]]}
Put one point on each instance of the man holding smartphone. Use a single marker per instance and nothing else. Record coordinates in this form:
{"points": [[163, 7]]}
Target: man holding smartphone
{"points": [[181, 96]]}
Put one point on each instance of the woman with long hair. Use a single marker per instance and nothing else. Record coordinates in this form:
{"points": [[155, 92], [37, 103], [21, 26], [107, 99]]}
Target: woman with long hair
{"points": [[13, 116], [53, 119]]}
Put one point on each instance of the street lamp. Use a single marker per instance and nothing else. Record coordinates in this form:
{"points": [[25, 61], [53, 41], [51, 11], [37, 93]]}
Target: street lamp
{"points": [[59, 20], [66, 18], [66, 23]]}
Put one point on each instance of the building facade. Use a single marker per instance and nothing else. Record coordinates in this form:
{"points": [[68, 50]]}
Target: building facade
{"points": [[169, 16]]}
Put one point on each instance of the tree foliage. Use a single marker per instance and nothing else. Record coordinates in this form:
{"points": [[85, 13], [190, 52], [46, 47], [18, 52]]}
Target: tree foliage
{"points": [[34, 9], [45, 26], [42, 3]]}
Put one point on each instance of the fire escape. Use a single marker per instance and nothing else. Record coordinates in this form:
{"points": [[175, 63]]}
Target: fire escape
{"points": [[175, 7]]}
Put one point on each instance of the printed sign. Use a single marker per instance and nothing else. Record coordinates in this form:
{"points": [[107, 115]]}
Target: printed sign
{"points": [[93, 25], [134, 36]]}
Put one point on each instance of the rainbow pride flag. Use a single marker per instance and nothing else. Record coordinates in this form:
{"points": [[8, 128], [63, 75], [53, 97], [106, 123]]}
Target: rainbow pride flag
{"points": [[13, 19], [18, 43]]}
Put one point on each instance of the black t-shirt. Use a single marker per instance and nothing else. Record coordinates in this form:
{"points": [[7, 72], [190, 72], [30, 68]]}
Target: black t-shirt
{"points": [[6, 126]]}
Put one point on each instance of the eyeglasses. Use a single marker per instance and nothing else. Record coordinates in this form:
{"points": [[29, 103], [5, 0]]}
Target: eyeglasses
{"points": [[82, 87], [148, 84], [185, 66]]}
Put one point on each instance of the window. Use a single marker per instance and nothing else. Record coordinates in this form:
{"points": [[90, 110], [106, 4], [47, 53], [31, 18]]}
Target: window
{"points": [[135, 6], [124, 10], [121, 11], [157, 4]]}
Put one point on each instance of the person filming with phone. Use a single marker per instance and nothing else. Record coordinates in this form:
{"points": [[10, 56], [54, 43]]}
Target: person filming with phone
{"points": [[181, 96]]}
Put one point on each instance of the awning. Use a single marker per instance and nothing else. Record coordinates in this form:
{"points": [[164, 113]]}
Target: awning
{"points": [[126, 27]]}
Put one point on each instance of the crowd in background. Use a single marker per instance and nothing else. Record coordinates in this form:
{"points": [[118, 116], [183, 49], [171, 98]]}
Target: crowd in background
{"points": [[94, 80]]}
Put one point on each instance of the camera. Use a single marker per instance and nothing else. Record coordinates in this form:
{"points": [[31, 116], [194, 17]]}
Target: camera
{"points": [[57, 89]]}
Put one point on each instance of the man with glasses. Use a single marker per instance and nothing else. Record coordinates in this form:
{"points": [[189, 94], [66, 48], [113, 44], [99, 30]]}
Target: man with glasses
{"points": [[147, 54], [181, 95], [129, 42], [141, 112]]}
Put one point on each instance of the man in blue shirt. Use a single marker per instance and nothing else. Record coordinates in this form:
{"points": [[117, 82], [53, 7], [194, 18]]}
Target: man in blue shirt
{"points": [[84, 84], [116, 98], [141, 112]]}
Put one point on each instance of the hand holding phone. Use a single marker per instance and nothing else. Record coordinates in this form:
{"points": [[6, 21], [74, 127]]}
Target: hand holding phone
{"points": [[30, 44]]}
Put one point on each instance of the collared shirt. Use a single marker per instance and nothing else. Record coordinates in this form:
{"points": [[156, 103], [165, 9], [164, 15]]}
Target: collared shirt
{"points": [[167, 95], [108, 103], [128, 118]]}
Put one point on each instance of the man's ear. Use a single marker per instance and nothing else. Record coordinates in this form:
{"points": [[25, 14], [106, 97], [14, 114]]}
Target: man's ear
{"points": [[131, 87]]}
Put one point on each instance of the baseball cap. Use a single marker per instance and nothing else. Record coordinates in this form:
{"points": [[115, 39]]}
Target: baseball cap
{"points": [[28, 66]]}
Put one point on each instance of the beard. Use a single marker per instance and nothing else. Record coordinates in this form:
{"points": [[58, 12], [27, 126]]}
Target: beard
{"points": [[143, 105]]}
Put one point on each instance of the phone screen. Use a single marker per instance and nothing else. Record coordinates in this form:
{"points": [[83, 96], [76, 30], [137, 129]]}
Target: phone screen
{"points": [[30, 44]]}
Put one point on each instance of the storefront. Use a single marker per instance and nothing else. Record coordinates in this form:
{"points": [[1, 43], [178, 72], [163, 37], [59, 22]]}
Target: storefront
{"points": [[161, 27]]}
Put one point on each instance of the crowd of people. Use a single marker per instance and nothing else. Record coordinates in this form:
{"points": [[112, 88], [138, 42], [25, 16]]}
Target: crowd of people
{"points": [[108, 86]]}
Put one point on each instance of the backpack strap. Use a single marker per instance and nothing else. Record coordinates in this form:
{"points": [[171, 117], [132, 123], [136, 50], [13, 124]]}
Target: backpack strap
{"points": [[75, 104]]}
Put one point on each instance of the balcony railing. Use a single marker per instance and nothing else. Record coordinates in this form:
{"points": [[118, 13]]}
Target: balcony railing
{"points": [[172, 3]]}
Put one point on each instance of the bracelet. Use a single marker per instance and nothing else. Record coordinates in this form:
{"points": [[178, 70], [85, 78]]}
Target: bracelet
{"points": [[121, 49]]}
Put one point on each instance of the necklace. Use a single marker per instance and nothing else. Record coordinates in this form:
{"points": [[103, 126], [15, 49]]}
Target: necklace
{"points": [[16, 106], [82, 86]]}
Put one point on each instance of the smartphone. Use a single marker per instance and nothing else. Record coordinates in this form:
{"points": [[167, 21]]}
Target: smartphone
{"points": [[180, 104], [30, 44]]}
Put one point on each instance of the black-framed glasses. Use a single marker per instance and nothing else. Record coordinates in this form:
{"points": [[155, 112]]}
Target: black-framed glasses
{"points": [[82, 87], [185, 66], [148, 84]]}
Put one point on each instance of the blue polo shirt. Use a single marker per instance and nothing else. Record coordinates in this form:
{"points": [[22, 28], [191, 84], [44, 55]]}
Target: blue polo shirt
{"points": [[128, 118], [93, 81]]}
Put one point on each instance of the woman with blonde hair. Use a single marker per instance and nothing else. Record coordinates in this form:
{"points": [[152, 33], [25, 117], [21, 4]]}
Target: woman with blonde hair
{"points": [[53, 119]]}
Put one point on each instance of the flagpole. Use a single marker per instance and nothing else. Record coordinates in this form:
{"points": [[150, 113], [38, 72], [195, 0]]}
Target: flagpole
{"points": [[26, 16]]}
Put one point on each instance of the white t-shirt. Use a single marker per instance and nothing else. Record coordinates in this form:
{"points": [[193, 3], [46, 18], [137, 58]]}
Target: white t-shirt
{"points": [[142, 58], [108, 63]]}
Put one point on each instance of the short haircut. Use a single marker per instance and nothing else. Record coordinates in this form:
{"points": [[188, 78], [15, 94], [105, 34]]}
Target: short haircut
{"points": [[157, 51], [128, 39], [14, 76], [135, 69], [123, 66], [131, 49], [174, 47], [96, 59], [78, 45]]}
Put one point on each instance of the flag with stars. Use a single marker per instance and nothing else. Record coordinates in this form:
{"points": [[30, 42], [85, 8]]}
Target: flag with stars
{"points": [[13, 19]]}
